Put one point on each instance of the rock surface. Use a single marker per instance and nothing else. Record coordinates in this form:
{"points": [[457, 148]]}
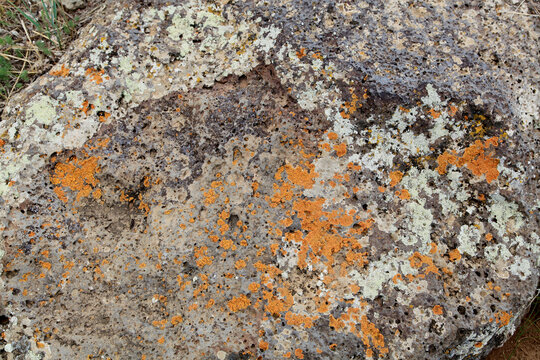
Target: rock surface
{"points": [[230, 180]]}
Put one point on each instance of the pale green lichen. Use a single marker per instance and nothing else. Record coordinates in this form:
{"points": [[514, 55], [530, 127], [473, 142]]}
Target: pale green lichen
{"points": [[468, 238], [42, 111], [419, 220], [506, 215]]}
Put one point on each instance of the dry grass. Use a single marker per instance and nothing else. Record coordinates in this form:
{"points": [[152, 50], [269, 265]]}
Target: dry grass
{"points": [[525, 343]]}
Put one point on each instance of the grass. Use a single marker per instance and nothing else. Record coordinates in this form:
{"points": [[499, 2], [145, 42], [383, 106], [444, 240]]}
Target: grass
{"points": [[33, 35]]}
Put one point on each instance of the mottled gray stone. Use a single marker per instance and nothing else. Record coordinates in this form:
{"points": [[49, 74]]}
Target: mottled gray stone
{"points": [[317, 180]]}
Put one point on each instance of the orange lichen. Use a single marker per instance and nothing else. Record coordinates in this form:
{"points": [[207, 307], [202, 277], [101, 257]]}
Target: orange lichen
{"points": [[95, 75], [454, 255], [210, 196], [77, 175], [403, 194], [341, 149], [299, 354], [238, 303], [444, 160], [63, 71], [263, 345], [370, 331], [254, 287], [502, 318], [395, 178], [240, 264], [417, 260], [300, 177], [475, 158], [297, 319], [437, 310], [434, 114]]}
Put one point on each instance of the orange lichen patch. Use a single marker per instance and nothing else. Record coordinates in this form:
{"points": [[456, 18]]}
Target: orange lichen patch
{"points": [[454, 255], [299, 354], [396, 278], [478, 345], [238, 303], [300, 320], [301, 53], [403, 194], [395, 178], [240, 264], [444, 160], [340, 149], [417, 260], [97, 194], [480, 163], [434, 114], [503, 318], [226, 244], [349, 107], [210, 197], [332, 135], [160, 323], [63, 72], [104, 117], [437, 310], [300, 177], [61, 194], [475, 158], [381, 189], [86, 107], [370, 331], [433, 249], [95, 75], [283, 193], [254, 287], [202, 259], [318, 224], [452, 110], [45, 265], [362, 226], [263, 345], [77, 175], [489, 237]]}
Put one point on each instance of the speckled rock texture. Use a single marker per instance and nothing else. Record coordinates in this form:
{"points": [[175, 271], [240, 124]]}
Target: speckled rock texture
{"points": [[267, 180]]}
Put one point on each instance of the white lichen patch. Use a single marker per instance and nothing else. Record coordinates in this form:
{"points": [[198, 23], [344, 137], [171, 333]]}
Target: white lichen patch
{"points": [[506, 215], [42, 111], [432, 99], [418, 221], [468, 238]]}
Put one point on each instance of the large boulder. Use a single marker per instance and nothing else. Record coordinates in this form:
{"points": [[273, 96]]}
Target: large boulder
{"points": [[241, 180]]}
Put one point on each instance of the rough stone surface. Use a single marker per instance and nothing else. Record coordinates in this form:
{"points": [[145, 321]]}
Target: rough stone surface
{"points": [[309, 180]]}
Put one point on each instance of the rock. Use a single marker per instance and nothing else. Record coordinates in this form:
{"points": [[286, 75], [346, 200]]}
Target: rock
{"points": [[73, 4], [231, 180]]}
